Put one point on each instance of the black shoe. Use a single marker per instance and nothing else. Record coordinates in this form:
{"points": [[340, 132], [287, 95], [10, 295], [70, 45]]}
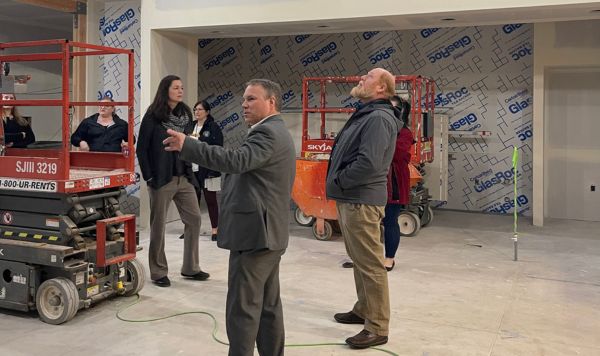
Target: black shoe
{"points": [[348, 318], [391, 268], [365, 339], [162, 282], [348, 264], [200, 276], [182, 236], [213, 237]]}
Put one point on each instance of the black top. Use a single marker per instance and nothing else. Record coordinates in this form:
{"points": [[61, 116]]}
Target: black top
{"points": [[101, 138], [211, 134], [13, 133], [157, 165]]}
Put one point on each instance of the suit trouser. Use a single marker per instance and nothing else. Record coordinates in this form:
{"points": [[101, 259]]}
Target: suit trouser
{"points": [[182, 193], [361, 228], [254, 311]]}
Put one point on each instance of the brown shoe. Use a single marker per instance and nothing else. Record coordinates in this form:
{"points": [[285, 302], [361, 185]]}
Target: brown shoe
{"points": [[365, 339], [348, 318]]}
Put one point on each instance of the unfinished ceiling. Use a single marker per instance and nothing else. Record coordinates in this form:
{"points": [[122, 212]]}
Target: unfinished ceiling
{"points": [[16, 13], [402, 22], [24, 13]]}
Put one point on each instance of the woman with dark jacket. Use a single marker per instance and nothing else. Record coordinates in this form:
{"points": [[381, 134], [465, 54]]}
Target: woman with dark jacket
{"points": [[17, 129], [205, 129], [398, 185], [104, 131], [169, 179]]}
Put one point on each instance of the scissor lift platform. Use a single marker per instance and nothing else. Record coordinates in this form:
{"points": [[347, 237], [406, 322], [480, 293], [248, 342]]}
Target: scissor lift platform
{"points": [[313, 207], [64, 242]]}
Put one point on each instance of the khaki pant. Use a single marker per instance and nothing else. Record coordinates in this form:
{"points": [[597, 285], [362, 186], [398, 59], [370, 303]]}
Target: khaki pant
{"points": [[361, 227], [182, 193]]}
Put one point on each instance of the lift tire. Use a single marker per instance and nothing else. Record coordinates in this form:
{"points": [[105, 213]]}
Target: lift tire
{"points": [[327, 234], [302, 219], [135, 277], [336, 226], [57, 300], [409, 222], [426, 215]]}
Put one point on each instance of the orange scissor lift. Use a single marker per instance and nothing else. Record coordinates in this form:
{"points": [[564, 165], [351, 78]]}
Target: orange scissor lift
{"points": [[64, 243], [313, 207]]}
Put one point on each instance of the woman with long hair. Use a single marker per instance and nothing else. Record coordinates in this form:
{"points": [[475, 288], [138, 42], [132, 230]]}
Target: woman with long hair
{"points": [[17, 129], [205, 129], [169, 179], [398, 184]]}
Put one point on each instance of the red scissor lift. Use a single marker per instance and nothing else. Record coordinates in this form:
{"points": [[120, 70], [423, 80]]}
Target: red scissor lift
{"points": [[64, 243], [313, 208]]}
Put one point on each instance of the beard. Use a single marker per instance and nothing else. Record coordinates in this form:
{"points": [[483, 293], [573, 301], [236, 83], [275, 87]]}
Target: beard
{"points": [[360, 92]]}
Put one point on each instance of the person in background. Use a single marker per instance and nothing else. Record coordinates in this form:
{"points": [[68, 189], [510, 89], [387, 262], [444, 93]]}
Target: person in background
{"points": [[104, 131], [398, 184], [17, 129], [255, 217], [356, 180], [169, 179], [205, 129]]}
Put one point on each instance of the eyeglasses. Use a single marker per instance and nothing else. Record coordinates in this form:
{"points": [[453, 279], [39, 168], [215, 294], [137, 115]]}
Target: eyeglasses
{"points": [[199, 109]]}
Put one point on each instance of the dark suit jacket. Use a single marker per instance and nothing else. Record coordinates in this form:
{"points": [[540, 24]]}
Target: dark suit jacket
{"points": [[254, 209]]}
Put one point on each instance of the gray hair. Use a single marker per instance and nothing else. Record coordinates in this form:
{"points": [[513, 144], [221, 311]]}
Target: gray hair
{"points": [[272, 88]]}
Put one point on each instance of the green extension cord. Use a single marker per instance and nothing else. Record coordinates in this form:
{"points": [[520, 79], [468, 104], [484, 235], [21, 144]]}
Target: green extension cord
{"points": [[215, 327]]}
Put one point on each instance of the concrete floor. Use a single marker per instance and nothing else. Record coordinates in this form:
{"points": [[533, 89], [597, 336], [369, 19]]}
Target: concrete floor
{"points": [[455, 290]]}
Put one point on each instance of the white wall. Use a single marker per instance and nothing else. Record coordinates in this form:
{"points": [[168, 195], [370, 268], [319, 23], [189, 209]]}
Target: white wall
{"points": [[556, 45], [172, 14], [178, 14], [572, 150], [165, 53], [483, 79]]}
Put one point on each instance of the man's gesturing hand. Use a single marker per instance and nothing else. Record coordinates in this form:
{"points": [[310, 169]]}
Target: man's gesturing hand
{"points": [[175, 140]]}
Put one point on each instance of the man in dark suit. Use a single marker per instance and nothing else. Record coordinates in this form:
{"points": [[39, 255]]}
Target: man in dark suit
{"points": [[254, 217]]}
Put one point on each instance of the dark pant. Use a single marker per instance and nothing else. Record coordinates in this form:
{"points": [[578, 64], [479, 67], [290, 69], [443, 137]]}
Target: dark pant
{"points": [[254, 312], [392, 229], [211, 203]]}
